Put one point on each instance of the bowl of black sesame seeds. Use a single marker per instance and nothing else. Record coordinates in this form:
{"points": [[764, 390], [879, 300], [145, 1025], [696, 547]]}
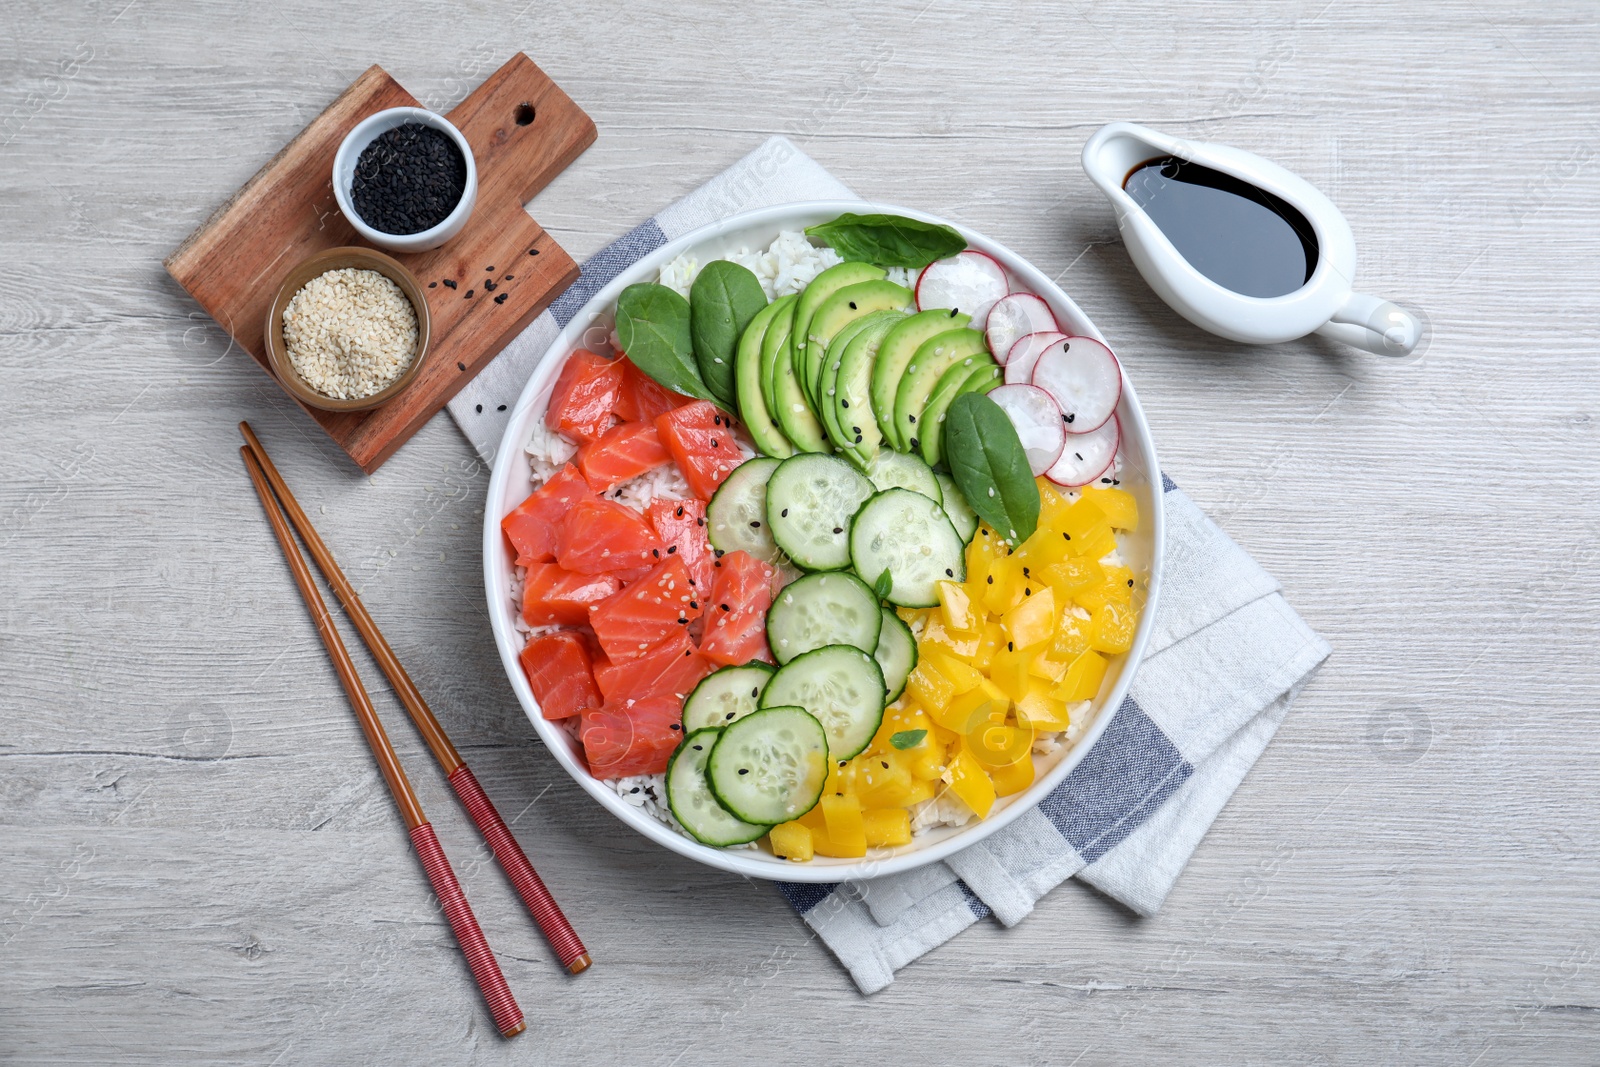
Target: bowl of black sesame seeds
{"points": [[405, 178]]}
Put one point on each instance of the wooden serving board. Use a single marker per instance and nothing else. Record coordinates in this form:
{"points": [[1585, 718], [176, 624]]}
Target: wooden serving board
{"points": [[523, 131]]}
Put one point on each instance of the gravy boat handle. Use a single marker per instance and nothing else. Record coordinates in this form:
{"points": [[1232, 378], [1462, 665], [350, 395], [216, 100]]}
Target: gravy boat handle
{"points": [[1375, 325]]}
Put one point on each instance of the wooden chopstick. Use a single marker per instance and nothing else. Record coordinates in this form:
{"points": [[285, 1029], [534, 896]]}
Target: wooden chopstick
{"points": [[563, 939], [480, 958]]}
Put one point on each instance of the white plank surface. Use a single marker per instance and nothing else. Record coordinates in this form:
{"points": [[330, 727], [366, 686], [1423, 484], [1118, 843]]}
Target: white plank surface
{"points": [[200, 864]]}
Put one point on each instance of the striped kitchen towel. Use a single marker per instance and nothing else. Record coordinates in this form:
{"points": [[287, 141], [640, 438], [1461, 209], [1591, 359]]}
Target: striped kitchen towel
{"points": [[1224, 662]]}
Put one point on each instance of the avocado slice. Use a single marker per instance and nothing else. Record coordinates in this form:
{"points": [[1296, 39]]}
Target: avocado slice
{"points": [[792, 408], [764, 429], [966, 376], [846, 411], [983, 380], [830, 367], [894, 355], [935, 356], [823, 286], [845, 306], [775, 346]]}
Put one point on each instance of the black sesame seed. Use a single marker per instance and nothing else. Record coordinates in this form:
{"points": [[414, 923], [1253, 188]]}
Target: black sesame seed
{"points": [[500, 407], [510, 277], [433, 285], [755, 525], [489, 268], [838, 529], [671, 549], [480, 409], [488, 285], [656, 552], [675, 726], [885, 764], [915, 444], [852, 305], [680, 513], [501, 299], [744, 770], [949, 573], [754, 693], [460, 365], [786, 513], [724, 607], [991, 579], [449, 283], [1071, 417], [694, 604], [1027, 592], [533, 251], [1130, 583], [713, 442], [913, 418], [1010, 647]]}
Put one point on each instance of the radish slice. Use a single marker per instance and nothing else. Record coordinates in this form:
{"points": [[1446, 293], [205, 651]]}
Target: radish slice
{"points": [[1083, 377], [1014, 317], [968, 281], [1020, 361], [1087, 455], [1038, 422]]}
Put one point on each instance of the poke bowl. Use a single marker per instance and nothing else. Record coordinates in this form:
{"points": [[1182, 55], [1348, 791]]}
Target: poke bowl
{"points": [[796, 640]]}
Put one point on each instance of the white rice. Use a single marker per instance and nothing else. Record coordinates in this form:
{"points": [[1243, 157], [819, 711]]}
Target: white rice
{"points": [[785, 266]]}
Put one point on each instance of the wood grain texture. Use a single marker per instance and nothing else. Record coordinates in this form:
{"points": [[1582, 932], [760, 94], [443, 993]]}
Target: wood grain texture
{"points": [[1409, 875], [483, 287]]}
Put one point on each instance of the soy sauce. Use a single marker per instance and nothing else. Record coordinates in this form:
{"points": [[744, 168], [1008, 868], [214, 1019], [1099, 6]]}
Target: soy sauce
{"points": [[1238, 235]]}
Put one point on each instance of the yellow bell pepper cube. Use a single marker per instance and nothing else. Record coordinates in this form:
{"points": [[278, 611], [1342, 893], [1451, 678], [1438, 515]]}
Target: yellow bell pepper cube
{"points": [[981, 550], [913, 616], [993, 640], [928, 687], [883, 780], [937, 636], [1051, 502], [1009, 672], [997, 744], [1002, 585], [1040, 711], [971, 783], [1097, 543], [1095, 598], [1081, 519], [1072, 575], [944, 736], [845, 831], [1112, 628], [1032, 622], [956, 607], [927, 759], [984, 703], [1072, 638], [1046, 666], [887, 827], [1013, 777], [962, 675], [1083, 678], [1121, 510], [813, 820], [791, 841]]}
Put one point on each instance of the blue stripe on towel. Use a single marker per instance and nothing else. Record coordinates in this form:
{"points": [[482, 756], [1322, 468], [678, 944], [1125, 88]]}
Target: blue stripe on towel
{"points": [[803, 896], [978, 907], [1167, 484], [1130, 771], [609, 262]]}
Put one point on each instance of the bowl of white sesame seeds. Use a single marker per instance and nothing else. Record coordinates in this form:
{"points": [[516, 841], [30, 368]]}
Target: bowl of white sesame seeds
{"points": [[347, 330]]}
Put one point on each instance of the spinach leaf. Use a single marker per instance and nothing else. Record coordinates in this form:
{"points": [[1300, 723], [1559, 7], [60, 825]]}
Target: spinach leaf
{"points": [[990, 468], [883, 585], [889, 240], [908, 738], [722, 301], [653, 329]]}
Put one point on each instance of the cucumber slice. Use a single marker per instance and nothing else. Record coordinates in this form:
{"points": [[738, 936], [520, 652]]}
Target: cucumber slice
{"points": [[773, 343], [896, 653], [692, 802], [847, 305], [889, 470], [912, 538], [894, 356], [823, 609], [823, 403], [936, 356], [956, 508], [841, 686], [764, 429], [952, 383], [725, 696], [769, 767], [823, 286], [810, 500], [736, 518]]}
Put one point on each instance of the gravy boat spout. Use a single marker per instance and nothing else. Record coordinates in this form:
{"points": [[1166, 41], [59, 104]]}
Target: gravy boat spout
{"points": [[1326, 303]]}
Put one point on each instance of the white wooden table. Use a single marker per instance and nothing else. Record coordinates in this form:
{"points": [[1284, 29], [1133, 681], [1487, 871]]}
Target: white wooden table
{"points": [[198, 862]]}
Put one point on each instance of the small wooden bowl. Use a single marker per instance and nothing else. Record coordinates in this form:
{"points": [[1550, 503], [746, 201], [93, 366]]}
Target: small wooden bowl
{"points": [[338, 259]]}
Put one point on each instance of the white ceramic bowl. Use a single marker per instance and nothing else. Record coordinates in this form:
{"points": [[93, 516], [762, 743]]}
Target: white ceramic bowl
{"points": [[509, 485], [344, 169]]}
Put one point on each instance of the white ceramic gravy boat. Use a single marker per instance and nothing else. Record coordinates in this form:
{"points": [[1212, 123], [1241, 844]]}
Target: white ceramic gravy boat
{"points": [[1326, 304]]}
